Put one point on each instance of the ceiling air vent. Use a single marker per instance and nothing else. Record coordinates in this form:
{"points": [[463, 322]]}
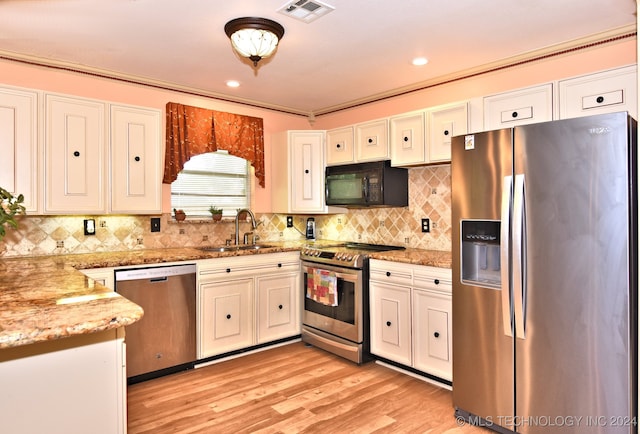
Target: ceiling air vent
{"points": [[305, 10]]}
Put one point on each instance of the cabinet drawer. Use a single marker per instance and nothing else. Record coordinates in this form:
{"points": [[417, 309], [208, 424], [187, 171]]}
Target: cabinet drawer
{"points": [[432, 278], [238, 266], [390, 272]]}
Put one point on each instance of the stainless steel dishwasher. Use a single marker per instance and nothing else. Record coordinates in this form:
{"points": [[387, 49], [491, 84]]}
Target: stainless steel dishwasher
{"points": [[164, 340]]}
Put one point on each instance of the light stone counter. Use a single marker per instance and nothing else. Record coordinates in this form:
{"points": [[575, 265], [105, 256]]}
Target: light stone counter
{"points": [[44, 298], [432, 258]]}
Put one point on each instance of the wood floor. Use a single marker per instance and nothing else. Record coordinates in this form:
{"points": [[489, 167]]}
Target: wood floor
{"points": [[291, 389]]}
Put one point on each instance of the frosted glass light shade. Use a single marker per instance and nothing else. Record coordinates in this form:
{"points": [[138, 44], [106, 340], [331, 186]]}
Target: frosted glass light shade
{"points": [[255, 38]]}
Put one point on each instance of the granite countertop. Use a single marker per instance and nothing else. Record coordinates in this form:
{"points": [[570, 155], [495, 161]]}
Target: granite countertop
{"points": [[432, 258], [45, 297]]}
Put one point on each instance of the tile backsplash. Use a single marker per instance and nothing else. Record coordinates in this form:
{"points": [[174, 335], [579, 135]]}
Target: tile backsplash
{"points": [[429, 197]]}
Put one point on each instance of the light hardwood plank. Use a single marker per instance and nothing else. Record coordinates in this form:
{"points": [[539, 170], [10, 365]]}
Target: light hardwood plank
{"points": [[291, 389]]}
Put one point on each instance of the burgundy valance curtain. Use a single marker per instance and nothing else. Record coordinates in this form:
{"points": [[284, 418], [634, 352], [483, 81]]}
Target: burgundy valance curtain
{"points": [[193, 130]]}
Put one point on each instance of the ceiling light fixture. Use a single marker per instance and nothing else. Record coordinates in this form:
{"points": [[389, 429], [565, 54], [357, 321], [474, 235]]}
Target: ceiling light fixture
{"points": [[419, 61], [254, 38]]}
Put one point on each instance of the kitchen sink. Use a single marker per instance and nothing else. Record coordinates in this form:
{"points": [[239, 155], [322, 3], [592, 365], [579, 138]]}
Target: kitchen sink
{"points": [[223, 249]]}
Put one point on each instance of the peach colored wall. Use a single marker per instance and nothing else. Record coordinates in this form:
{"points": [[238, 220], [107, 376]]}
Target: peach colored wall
{"points": [[83, 85], [568, 65]]}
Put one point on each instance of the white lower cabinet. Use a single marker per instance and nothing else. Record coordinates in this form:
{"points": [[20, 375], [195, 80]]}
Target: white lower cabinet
{"points": [[411, 316], [247, 300], [71, 385], [277, 308], [391, 321], [227, 316]]}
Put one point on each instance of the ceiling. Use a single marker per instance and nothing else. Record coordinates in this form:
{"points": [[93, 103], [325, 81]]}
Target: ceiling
{"points": [[355, 53]]}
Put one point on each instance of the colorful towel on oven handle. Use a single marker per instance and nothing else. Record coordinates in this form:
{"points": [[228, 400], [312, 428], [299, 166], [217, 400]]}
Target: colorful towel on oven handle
{"points": [[322, 286]]}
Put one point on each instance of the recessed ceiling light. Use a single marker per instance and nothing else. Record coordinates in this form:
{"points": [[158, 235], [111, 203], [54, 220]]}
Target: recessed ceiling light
{"points": [[419, 61], [233, 83]]}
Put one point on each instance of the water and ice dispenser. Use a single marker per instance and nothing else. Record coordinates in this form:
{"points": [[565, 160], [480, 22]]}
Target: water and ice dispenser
{"points": [[480, 262]]}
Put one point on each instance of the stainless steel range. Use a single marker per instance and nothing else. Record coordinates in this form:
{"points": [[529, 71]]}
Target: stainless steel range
{"points": [[336, 298]]}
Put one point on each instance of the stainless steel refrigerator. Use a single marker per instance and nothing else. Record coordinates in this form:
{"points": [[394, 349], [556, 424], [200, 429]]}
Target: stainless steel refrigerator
{"points": [[545, 276]]}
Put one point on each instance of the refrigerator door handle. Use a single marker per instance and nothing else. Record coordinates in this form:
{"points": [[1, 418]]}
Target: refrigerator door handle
{"points": [[519, 246], [505, 221]]}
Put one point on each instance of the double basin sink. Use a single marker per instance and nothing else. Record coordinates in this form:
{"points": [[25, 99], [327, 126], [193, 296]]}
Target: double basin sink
{"points": [[222, 249]]}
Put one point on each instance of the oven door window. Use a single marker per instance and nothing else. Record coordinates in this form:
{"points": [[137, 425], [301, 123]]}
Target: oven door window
{"points": [[345, 311]]}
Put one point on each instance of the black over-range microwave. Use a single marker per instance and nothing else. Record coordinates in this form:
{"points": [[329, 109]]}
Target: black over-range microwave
{"points": [[367, 185]]}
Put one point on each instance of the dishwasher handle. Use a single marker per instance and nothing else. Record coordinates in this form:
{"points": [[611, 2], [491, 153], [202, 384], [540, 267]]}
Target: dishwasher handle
{"points": [[155, 274]]}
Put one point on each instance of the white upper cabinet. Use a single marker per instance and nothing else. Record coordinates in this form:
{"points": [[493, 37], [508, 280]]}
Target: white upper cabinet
{"points": [[298, 173], [19, 144], [424, 137], [372, 140], [369, 142], [136, 160], [519, 107], [340, 146], [74, 155], [443, 123], [407, 139], [603, 92]]}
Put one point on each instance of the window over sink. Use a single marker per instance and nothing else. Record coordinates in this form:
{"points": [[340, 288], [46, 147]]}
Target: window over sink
{"points": [[212, 179]]}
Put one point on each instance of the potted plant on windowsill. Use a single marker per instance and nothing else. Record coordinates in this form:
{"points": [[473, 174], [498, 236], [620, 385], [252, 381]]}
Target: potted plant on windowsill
{"points": [[10, 206], [179, 214], [216, 213]]}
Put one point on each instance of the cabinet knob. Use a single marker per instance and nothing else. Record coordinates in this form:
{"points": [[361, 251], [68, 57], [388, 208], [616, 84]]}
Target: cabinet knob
{"points": [[228, 270], [338, 145], [405, 138], [514, 114], [446, 132], [280, 306], [137, 158], [370, 140], [228, 316], [279, 265], [388, 323], [388, 273], [600, 99], [436, 281], [76, 154], [436, 335], [306, 170]]}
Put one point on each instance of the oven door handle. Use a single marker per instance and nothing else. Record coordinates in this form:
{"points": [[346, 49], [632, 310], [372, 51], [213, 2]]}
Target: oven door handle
{"points": [[353, 278], [347, 277]]}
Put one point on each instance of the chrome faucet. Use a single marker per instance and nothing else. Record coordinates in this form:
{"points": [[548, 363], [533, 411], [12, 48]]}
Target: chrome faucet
{"points": [[253, 225]]}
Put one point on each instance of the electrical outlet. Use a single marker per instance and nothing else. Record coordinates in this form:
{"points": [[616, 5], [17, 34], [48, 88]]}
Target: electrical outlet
{"points": [[426, 226], [155, 224], [89, 227], [289, 221]]}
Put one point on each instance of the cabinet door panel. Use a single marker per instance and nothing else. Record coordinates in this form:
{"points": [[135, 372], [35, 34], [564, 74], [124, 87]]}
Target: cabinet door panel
{"points": [[602, 92], [432, 333], [519, 107], [278, 306], [444, 123], [340, 146], [74, 155], [372, 141], [407, 139], [136, 160], [226, 320], [19, 145], [391, 322]]}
